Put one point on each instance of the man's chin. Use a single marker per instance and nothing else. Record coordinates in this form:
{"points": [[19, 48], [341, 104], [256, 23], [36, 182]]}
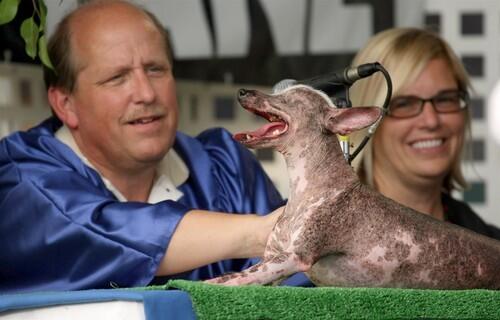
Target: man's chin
{"points": [[150, 153]]}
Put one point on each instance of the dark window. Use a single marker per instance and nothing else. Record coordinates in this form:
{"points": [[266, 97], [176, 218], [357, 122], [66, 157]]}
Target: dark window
{"points": [[193, 107], [433, 22], [476, 108], [25, 92], [476, 193], [265, 154], [475, 150], [472, 24], [478, 150], [224, 108], [474, 65]]}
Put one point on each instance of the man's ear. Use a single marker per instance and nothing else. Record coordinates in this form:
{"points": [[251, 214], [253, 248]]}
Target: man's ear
{"points": [[347, 120], [62, 104]]}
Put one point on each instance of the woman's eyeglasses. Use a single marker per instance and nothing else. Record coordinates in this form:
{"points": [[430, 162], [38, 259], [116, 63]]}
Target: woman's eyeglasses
{"points": [[445, 102]]}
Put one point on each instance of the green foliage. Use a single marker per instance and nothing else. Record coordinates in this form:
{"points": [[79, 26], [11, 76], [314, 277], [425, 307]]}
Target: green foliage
{"points": [[42, 52], [8, 10], [32, 33], [29, 32], [43, 14]]}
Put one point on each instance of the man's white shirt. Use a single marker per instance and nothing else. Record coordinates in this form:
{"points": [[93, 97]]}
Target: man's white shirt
{"points": [[171, 172]]}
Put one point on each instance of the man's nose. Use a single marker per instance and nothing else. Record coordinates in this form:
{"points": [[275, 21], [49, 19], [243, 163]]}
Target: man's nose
{"points": [[143, 89]]}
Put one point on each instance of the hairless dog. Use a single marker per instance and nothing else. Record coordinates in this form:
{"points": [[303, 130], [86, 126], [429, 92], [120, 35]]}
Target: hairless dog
{"points": [[339, 231]]}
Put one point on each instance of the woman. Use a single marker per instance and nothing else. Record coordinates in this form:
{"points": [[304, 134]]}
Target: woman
{"points": [[414, 156]]}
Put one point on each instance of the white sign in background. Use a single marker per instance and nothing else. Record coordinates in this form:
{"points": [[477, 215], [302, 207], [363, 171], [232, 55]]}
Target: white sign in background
{"points": [[335, 27]]}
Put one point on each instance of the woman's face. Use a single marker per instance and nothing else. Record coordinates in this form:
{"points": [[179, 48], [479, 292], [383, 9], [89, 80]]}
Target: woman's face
{"points": [[420, 150]]}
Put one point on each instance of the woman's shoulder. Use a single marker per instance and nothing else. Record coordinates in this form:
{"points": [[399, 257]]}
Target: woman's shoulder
{"points": [[460, 213]]}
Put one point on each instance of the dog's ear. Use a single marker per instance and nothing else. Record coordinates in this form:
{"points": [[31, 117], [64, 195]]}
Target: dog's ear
{"points": [[347, 120]]}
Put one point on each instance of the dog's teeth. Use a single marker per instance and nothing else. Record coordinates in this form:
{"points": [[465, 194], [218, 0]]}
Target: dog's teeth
{"points": [[276, 132], [248, 137]]}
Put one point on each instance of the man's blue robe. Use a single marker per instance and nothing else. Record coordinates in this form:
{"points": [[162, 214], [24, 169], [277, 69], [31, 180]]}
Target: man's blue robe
{"points": [[61, 229]]}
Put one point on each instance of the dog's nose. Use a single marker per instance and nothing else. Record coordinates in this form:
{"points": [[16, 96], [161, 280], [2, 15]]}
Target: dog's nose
{"points": [[242, 93]]}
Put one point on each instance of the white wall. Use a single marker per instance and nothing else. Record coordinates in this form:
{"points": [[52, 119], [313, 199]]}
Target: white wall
{"points": [[23, 100]]}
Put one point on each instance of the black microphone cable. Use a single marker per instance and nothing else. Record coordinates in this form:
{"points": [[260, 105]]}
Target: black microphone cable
{"points": [[385, 110]]}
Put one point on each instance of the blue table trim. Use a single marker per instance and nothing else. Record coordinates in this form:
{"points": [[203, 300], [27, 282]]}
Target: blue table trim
{"points": [[158, 304]]}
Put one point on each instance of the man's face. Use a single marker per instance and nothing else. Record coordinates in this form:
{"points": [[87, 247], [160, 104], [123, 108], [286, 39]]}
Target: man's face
{"points": [[124, 102]]}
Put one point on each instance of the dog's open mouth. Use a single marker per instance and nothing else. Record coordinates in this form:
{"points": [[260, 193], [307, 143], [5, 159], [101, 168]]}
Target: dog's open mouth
{"points": [[275, 128]]}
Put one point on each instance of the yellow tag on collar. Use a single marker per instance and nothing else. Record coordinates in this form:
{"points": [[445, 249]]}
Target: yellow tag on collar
{"points": [[343, 138]]}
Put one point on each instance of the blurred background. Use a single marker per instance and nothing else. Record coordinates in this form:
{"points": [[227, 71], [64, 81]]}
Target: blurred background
{"points": [[222, 45]]}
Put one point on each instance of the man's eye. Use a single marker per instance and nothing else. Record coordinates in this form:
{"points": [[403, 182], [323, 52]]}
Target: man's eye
{"points": [[156, 70], [118, 78]]}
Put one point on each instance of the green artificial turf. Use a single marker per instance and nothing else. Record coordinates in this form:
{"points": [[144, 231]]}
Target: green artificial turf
{"points": [[262, 302]]}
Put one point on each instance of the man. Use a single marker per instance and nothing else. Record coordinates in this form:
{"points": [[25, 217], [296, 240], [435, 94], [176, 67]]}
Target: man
{"points": [[113, 195]]}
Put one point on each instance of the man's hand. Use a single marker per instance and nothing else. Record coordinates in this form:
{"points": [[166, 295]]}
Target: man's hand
{"points": [[269, 223], [204, 237]]}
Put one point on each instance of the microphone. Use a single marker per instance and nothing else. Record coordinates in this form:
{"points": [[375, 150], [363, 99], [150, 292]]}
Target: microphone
{"points": [[329, 83]]}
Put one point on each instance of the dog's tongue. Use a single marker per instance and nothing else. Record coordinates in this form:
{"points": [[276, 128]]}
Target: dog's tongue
{"points": [[268, 130]]}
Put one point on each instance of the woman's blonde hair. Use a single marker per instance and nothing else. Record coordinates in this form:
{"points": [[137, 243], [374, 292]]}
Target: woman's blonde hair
{"points": [[404, 53]]}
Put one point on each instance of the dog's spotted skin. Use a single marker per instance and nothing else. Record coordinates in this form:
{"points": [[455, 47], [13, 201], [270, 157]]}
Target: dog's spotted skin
{"points": [[342, 233]]}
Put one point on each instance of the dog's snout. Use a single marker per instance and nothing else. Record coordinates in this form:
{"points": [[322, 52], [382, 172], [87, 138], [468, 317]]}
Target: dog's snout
{"points": [[243, 93]]}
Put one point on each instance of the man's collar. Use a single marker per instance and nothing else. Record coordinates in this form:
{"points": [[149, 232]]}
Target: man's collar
{"points": [[171, 173]]}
